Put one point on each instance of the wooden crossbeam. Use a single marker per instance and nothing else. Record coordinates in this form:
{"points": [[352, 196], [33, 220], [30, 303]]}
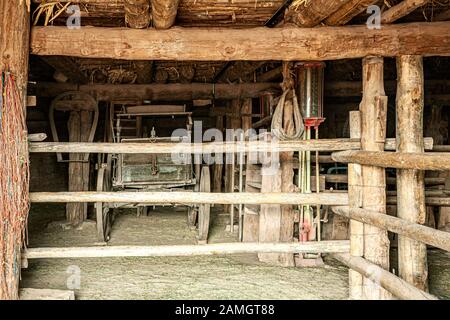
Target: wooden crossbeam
{"points": [[186, 250], [209, 147], [434, 237], [160, 92], [399, 160], [224, 44], [199, 148], [185, 197]]}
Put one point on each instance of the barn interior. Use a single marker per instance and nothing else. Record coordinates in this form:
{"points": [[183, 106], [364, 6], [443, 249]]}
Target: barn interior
{"points": [[98, 107]]}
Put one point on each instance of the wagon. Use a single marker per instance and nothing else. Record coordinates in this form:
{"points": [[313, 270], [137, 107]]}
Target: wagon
{"points": [[149, 172]]}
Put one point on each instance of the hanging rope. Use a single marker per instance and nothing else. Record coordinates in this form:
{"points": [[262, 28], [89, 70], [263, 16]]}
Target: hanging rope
{"points": [[278, 125], [14, 183]]}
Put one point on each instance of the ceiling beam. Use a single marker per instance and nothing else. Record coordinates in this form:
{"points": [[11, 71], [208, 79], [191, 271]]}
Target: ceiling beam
{"points": [[160, 92], [401, 10], [348, 11], [224, 44], [69, 68], [311, 13]]}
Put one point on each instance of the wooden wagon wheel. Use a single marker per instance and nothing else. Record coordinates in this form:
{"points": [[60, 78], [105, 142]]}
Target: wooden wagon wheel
{"points": [[102, 209], [204, 209]]}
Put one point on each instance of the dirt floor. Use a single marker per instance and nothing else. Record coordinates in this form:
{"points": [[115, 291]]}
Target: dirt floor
{"points": [[210, 277]]}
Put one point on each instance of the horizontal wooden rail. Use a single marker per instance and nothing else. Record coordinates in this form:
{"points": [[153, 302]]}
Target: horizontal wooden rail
{"points": [[335, 246], [343, 178], [338, 199], [436, 238], [398, 287], [429, 201], [208, 147], [399, 160]]}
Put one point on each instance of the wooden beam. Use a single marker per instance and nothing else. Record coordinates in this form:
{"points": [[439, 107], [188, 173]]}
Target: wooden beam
{"points": [[311, 13], [443, 16], [411, 230], [401, 10], [182, 197], [184, 250], [373, 110], [68, 67], [412, 255], [354, 88], [393, 284], [205, 148], [400, 160], [46, 294], [348, 11], [160, 92], [164, 13], [220, 44]]}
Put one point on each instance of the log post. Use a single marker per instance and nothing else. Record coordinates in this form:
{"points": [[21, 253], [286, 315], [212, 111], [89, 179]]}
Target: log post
{"points": [[164, 13], [14, 51], [218, 167], [373, 109], [137, 13], [252, 174], [412, 255], [234, 123], [355, 201]]}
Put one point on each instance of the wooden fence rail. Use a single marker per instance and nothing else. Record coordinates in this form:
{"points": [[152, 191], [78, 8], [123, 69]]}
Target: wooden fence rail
{"points": [[437, 238], [184, 197], [336, 246]]}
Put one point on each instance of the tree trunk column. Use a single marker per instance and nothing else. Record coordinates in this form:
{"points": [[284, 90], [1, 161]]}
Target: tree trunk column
{"points": [[412, 255], [373, 134], [14, 51]]}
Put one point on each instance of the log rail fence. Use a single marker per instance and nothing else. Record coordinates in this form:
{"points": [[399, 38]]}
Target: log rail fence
{"points": [[348, 150]]}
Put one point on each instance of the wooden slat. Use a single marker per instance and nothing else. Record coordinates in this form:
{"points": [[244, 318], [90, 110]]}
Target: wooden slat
{"points": [[202, 44]]}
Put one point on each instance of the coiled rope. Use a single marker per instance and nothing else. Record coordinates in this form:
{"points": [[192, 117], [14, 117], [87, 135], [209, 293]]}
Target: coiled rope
{"points": [[277, 119]]}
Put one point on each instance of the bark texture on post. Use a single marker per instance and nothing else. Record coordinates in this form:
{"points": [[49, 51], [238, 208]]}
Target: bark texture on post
{"points": [[373, 134], [14, 50], [412, 255], [355, 201], [164, 13], [137, 13]]}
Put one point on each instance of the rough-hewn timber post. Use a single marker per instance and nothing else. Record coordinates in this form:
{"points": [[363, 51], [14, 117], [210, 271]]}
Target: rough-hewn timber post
{"points": [[412, 255], [355, 201], [14, 49], [373, 133]]}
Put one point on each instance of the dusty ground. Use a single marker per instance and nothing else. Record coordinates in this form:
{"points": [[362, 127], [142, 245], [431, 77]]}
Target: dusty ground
{"points": [[217, 277]]}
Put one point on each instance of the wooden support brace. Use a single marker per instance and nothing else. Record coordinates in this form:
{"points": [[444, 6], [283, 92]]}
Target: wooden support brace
{"points": [[415, 231], [393, 284]]}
